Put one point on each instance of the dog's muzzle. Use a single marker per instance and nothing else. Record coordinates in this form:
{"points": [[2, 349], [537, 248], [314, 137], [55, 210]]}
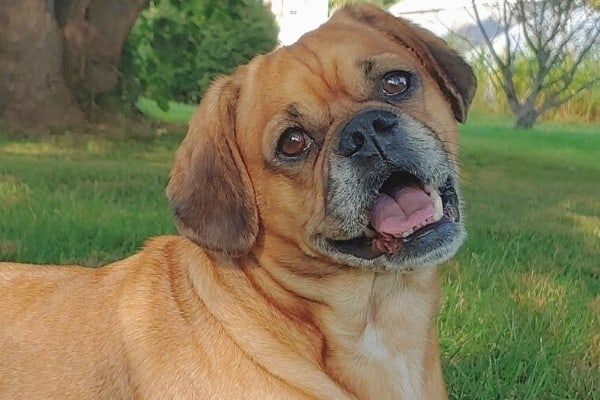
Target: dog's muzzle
{"points": [[407, 202]]}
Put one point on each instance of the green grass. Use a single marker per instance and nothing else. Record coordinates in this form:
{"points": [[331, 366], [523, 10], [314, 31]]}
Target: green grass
{"points": [[178, 113], [520, 317], [521, 307], [69, 199]]}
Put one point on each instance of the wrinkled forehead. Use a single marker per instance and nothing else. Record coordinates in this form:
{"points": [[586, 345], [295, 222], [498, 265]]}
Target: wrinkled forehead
{"points": [[338, 61]]}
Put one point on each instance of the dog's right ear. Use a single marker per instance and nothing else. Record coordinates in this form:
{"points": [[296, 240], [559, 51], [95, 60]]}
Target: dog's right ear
{"points": [[209, 188]]}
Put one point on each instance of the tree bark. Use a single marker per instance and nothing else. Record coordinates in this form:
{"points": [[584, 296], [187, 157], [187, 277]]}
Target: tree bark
{"points": [[33, 90], [525, 118], [59, 56], [95, 32]]}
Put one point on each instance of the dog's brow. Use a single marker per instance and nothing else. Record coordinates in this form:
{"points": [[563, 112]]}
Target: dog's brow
{"points": [[292, 111], [367, 66]]}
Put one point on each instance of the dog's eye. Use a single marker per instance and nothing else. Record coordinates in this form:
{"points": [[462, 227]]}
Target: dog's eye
{"points": [[396, 82], [294, 142]]}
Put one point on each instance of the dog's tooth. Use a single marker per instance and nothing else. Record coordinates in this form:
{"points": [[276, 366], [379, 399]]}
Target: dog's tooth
{"points": [[407, 233], [437, 205], [429, 189]]}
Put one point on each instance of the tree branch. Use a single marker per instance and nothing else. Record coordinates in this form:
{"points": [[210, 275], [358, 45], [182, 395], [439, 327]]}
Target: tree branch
{"points": [[553, 100], [557, 37]]}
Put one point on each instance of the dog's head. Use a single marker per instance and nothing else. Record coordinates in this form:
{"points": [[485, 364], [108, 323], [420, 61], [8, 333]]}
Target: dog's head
{"points": [[343, 145]]}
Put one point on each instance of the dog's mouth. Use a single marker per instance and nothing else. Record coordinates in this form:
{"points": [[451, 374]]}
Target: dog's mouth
{"points": [[404, 211]]}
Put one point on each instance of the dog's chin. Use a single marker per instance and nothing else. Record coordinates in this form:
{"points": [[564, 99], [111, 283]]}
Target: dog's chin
{"points": [[428, 244], [425, 248]]}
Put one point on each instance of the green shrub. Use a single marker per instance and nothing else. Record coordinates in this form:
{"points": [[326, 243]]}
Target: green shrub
{"points": [[177, 47]]}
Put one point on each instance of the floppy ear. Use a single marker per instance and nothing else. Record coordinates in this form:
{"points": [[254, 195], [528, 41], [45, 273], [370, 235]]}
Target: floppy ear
{"points": [[453, 75], [209, 189]]}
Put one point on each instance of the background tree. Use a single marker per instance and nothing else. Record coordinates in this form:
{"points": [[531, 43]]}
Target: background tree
{"points": [[60, 57], [547, 41]]}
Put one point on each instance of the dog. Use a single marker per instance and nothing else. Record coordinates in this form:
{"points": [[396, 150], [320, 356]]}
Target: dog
{"points": [[315, 193]]}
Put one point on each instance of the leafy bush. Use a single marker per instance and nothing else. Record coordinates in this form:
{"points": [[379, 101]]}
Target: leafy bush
{"points": [[177, 47]]}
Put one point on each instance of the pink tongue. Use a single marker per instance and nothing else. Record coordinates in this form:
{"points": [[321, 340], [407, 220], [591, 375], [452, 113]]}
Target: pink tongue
{"points": [[410, 208]]}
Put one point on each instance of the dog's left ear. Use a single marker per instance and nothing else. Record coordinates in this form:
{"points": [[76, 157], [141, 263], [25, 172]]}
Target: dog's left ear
{"points": [[454, 76], [210, 189]]}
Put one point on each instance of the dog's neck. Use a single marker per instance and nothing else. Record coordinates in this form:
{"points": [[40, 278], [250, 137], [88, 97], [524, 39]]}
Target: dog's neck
{"points": [[362, 330], [373, 324]]}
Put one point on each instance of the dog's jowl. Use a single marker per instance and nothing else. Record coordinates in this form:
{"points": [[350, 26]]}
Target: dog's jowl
{"points": [[316, 192]]}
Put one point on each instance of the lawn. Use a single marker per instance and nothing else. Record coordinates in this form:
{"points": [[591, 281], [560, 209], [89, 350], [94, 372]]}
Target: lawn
{"points": [[520, 318]]}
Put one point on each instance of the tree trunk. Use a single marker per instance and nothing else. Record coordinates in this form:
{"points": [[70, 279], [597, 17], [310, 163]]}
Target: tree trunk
{"points": [[95, 32], [525, 113], [59, 56], [33, 91], [525, 117]]}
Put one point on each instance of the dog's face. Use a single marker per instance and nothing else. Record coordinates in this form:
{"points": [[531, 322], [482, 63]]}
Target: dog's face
{"points": [[343, 145]]}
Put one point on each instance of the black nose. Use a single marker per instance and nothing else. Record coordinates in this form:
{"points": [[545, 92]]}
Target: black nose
{"points": [[360, 135]]}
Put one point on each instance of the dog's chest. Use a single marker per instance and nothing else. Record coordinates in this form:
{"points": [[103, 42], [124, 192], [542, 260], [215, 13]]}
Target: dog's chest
{"points": [[399, 370]]}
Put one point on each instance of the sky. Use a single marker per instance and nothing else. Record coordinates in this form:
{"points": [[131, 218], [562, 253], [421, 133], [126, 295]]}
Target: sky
{"points": [[439, 16], [296, 17]]}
